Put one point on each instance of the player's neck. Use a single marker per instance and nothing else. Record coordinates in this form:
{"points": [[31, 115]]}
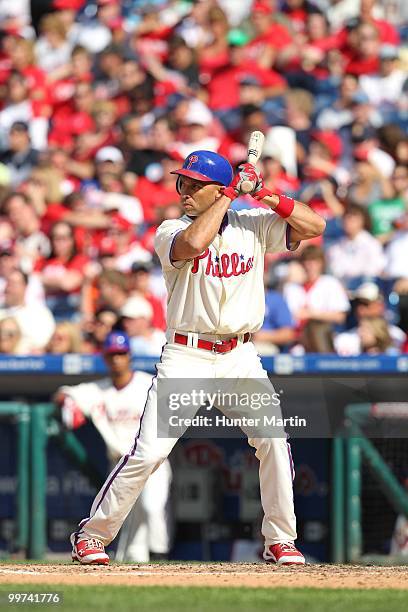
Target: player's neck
{"points": [[122, 380]]}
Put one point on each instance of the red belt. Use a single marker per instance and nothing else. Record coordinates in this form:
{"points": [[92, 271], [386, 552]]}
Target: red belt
{"points": [[221, 346]]}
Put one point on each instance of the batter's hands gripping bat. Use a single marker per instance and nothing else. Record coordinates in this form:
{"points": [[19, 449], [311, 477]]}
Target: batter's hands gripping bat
{"points": [[255, 145]]}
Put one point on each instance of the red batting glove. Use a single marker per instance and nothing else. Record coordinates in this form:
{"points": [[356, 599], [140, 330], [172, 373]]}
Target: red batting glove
{"points": [[246, 172], [261, 191], [72, 416]]}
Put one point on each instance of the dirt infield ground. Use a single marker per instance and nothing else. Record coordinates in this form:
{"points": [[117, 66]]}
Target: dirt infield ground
{"points": [[209, 575]]}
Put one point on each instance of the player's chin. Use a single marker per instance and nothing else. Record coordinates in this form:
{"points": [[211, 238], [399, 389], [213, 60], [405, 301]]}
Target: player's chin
{"points": [[190, 209]]}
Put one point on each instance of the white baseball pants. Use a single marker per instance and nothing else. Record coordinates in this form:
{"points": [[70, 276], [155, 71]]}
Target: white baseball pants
{"points": [[146, 529], [126, 481]]}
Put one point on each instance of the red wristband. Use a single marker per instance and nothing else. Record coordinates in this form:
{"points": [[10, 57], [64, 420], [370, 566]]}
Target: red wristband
{"points": [[285, 207], [229, 192]]}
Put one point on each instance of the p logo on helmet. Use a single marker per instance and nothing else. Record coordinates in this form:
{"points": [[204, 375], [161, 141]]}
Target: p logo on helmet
{"points": [[206, 166], [193, 159]]}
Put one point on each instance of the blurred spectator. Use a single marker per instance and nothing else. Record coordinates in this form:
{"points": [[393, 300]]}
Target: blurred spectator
{"points": [[127, 249], [365, 120], [305, 58], [140, 284], [374, 336], [321, 297], [96, 34], [215, 53], [62, 272], [137, 316], [384, 212], [194, 132], [368, 303], [193, 26], [278, 328], [270, 36], [371, 336], [34, 320], [397, 250], [104, 192], [107, 69], [65, 339], [19, 157], [53, 49], [299, 108], [224, 85], [20, 108], [323, 161], [364, 57], [277, 178], [181, 69], [368, 183], [156, 191], [369, 14], [9, 261], [358, 253], [321, 195], [30, 242], [385, 88], [113, 287], [340, 113], [98, 328], [10, 336], [72, 122], [43, 187], [317, 337]]}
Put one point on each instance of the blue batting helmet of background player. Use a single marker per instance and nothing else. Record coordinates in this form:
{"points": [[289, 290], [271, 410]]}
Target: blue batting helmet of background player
{"points": [[116, 342], [206, 166]]}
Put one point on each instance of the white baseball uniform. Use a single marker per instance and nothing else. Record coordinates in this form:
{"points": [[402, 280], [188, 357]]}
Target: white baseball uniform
{"points": [[216, 296], [116, 415]]}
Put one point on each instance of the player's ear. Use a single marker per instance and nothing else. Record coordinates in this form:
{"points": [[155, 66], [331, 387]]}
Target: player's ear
{"points": [[218, 192]]}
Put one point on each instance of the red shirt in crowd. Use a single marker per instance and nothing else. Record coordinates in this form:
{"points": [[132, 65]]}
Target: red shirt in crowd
{"points": [[277, 37], [153, 196], [56, 267], [223, 89]]}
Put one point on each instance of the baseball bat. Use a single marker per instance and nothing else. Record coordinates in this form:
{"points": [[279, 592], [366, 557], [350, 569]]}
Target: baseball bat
{"points": [[255, 145]]}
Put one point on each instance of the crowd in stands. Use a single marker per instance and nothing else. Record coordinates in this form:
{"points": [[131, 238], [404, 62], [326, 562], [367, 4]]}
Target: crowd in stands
{"points": [[100, 100]]}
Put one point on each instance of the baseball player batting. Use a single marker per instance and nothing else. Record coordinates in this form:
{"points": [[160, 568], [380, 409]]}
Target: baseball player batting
{"points": [[115, 405], [213, 263]]}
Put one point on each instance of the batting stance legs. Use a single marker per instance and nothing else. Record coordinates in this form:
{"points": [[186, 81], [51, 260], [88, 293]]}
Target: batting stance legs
{"points": [[126, 481]]}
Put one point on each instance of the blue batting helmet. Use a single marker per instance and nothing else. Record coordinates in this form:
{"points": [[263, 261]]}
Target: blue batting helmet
{"points": [[206, 166], [116, 342]]}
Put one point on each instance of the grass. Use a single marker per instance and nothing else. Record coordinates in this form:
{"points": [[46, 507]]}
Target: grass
{"points": [[204, 599]]}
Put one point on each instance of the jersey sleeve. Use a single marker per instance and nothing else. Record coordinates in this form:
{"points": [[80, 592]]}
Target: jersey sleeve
{"points": [[164, 242], [85, 396], [274, 232]]}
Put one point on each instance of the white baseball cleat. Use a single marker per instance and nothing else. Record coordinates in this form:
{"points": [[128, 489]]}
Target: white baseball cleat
{"points": [[88, 551], [283, 553]]}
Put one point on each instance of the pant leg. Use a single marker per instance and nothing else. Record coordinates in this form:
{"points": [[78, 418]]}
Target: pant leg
{"points": [[146, 528], [156, 507], [275, 480], [133, 542], [126, 481], [275, 460]]}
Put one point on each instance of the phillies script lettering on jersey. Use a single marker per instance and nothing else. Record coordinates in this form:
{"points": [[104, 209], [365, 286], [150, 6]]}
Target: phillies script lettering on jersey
{"points": [[224, 266]]}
